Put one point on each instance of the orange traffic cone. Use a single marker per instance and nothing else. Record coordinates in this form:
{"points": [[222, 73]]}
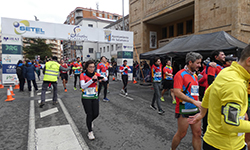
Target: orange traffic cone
{"points": [[113, 78], [135, 82], [11, 90], [9, 96], [1, 86], [16, 85]]}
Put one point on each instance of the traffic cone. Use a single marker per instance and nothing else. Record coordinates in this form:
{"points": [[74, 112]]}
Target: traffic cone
{"points": [[1, 86], [11, 90], [113, 78], [9, 96], [135, 82], [16, 85]]}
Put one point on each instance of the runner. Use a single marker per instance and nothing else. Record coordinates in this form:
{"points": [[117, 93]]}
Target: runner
{"points": [[102, 69], [156, 75], [227, 101], [38, 67], [64, 75], [168, 81], [186, 90], [90, 100], [124, 72], [77, 66]]}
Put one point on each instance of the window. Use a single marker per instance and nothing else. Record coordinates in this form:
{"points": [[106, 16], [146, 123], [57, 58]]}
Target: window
{"points": [[100, 15], [112, 47], [90, 25], [189, 26], [72, 22], [171, 31], [94, 14], [180, 28], [107, 48], [100, 50], [103, 49], [91, 50], [110, 16], [106, 15], [164, 33], [72, 15]]}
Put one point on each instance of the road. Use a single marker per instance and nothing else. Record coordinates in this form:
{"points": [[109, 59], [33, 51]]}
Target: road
{"points": [[123, 123]]}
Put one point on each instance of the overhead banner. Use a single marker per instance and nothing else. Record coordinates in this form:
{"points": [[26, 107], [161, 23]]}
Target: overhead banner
{"points": [[44, 30]]}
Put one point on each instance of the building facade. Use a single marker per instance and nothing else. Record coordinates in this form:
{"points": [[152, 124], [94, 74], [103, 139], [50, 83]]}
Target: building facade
{"points": [[157, 22], [56, 48], [93, 19]]}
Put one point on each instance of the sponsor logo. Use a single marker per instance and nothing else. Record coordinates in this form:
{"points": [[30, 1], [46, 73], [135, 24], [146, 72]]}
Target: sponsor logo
{"points": [[9, 69], [75, 35], [23, 26], [10, 78], [7, 59], [108, 35], [11, 49], [12, 39], [128, 47]]}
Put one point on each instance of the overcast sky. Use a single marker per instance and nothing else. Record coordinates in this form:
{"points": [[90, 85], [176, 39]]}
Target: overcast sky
{"points": [[56, 11]]}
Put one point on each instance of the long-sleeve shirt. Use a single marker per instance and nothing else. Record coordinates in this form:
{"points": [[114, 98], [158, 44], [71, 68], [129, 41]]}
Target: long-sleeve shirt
{"points": [[102, 69], [228, 88], [124, 69]]}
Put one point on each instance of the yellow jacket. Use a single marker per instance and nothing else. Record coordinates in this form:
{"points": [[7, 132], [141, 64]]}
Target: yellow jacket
{"points": [[229, 90]]}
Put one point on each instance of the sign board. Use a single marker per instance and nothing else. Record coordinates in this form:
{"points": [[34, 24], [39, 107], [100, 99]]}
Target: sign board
{"points": [[125, 54], [11, 49], [9, 68], [77, 47], [11, 59]]}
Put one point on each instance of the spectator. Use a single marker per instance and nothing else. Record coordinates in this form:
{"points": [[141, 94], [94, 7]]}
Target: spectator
{"points": [[29, 74], [19, 72]]}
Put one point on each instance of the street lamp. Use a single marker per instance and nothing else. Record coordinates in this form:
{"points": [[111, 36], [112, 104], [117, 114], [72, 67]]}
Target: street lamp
{"points": [[123, 23]]}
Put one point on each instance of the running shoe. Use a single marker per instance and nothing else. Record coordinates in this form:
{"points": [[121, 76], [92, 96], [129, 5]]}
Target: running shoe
{"points": [[75, 88], [55, 102], [162, 99], [160, 112], [106, 100], [91, 135], [122, 91], [174, 102], [80, 89], [41, 104], [65, 90], [126, 94], [153, 107], [108, 91]]}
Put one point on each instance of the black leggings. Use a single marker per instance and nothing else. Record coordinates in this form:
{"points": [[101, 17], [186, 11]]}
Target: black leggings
{"points": [[77, 75], [100, 88], [91, 107], [125, 82]]}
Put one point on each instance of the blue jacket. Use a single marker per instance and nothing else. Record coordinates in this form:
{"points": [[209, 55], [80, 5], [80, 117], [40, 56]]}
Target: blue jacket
{"points": [[29, 72]]}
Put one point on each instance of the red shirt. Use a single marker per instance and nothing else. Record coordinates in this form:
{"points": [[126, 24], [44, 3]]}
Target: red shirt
{"points": [[91, 92], [86, 78], [156, 73], [181, 81], [102, 68], [214, 71], [169, 70], [203, 80], [125, 72], [64, 65]]}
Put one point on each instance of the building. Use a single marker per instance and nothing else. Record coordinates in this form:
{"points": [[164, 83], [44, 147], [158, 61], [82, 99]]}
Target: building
{"points": [[156, 22], [93, 19], [56, 48], [118, 25]]}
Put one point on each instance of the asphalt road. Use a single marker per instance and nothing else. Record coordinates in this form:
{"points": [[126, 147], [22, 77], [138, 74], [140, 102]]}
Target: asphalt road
{"points": [[123, 124]]}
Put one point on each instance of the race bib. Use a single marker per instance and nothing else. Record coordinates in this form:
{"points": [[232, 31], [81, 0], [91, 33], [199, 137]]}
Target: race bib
{"points": [[103, 74], [195, 90], [158, 74], [90, 91]]}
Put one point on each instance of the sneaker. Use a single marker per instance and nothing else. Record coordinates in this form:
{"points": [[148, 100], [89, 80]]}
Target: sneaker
{"points": [[65, 90], [106, 100], [108, 91], [122, 91], [75, 88], [162, 99], [41, 104], [55, 102], [91, 135], [49, 88], [126, 94], [80, 89], [174, 102], [153, 107], [160, 112]]}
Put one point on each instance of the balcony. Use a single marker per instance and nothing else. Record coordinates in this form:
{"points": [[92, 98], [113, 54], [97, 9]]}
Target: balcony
{"points": [[78, 15]]}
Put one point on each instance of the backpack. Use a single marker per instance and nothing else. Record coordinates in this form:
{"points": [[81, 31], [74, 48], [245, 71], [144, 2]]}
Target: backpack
{"points": [[19, 71]]}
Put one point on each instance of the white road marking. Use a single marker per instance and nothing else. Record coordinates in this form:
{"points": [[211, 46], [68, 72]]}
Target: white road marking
{"points": [[32, 92], [47, 92], [39, 88], [78, 135], [46, 100], [57, 137], [48, 112], [31, 138], [126, 97]]}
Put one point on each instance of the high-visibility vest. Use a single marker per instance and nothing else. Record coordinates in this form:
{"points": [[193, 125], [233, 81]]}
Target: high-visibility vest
{"points": [[51, 71]]}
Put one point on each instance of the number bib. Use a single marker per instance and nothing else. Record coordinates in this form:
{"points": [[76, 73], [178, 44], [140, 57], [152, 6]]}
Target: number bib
{"points": [[90, 93], [195, 90]]}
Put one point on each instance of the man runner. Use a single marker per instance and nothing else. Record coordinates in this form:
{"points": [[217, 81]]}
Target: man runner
{"points": [[102, 69], [124, 71], [77, 67], [186, 90]]}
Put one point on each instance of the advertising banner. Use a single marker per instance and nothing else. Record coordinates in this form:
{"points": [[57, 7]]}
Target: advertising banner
{"points": [[10, 39], [38, 29], [76, 47], [9, 78], [11, 59], [125, 54], [11, 49], [9, 68]]}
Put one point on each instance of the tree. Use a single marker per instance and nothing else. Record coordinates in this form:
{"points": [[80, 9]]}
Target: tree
{"points": [[36, 47]]}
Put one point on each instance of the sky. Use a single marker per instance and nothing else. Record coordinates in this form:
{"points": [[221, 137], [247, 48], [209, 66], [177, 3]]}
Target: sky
{"points": [[56, 11]]}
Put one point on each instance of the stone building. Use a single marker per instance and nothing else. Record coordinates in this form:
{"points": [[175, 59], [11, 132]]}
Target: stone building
{"points": [[156, 22]]}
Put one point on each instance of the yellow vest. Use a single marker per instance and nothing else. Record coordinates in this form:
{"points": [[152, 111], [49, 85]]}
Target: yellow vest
{"points": [[52, 71]]}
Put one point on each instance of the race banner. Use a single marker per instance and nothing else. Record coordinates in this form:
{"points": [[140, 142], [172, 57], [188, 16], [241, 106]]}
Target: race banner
{"points": [[11, 49]]}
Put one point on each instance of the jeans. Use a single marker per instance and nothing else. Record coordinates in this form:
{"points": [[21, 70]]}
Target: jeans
{"points": [[157, 95], [91, 107], [34, 84], [44, 89], [100, 88]]}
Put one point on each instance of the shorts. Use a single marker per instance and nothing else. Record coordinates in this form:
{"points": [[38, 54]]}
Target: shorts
{"points": [[167, 84], [64, 76], [183, 115]]}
